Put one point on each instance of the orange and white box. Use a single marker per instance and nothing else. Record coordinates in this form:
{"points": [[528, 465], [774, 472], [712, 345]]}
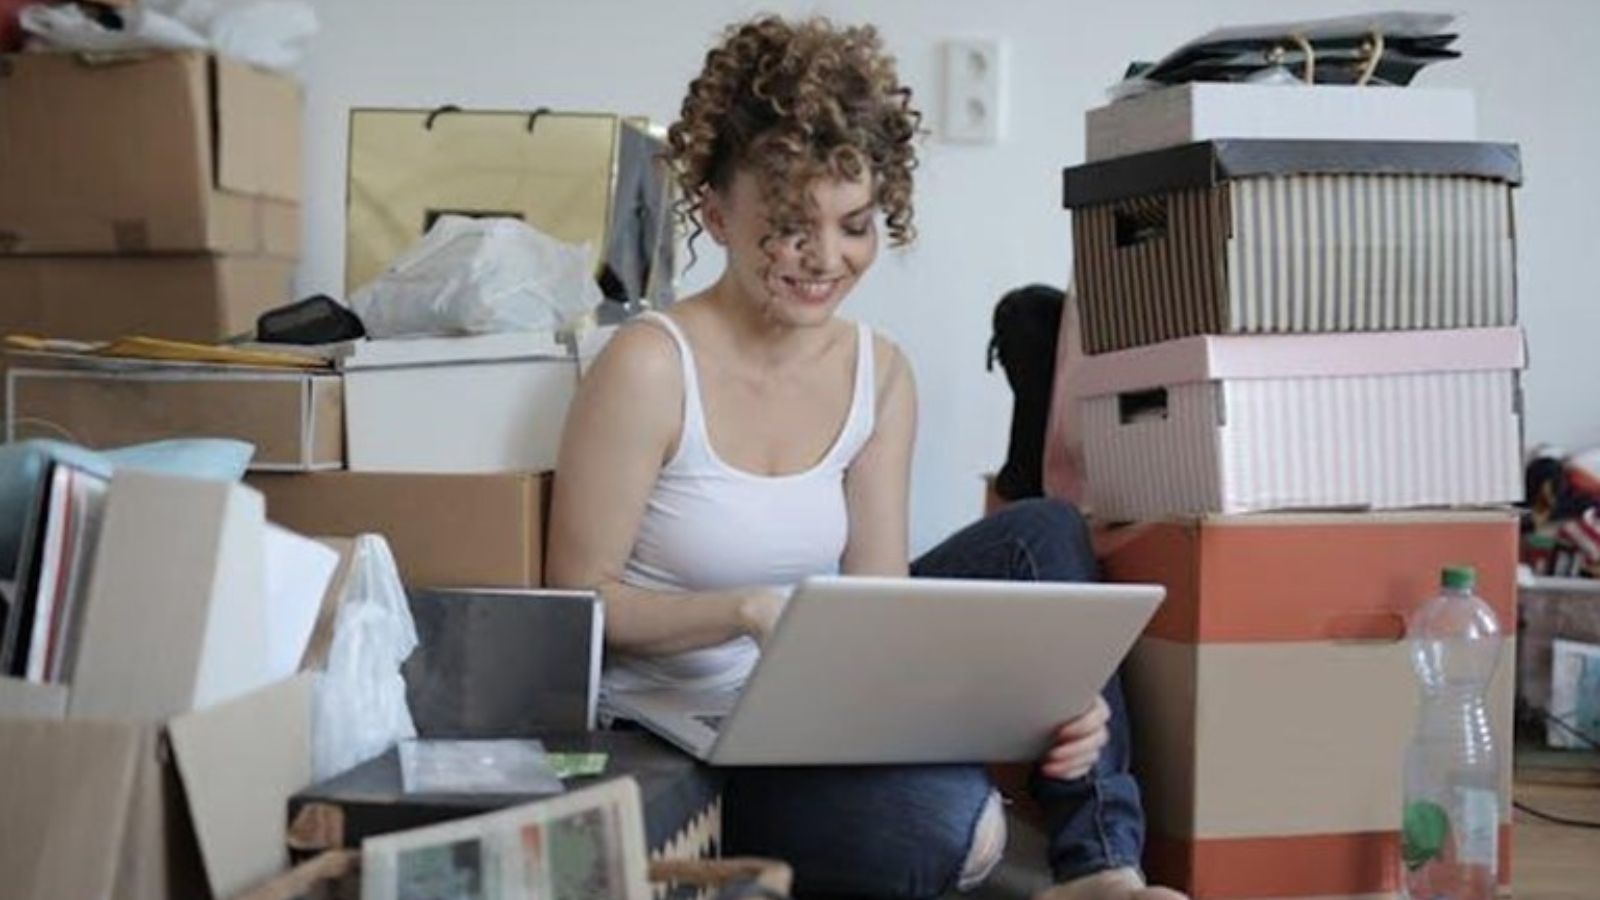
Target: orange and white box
{"points": [[1272, 697]]}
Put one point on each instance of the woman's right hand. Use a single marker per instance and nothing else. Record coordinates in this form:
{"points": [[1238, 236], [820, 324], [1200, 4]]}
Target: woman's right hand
{"points": [[759, 610]]}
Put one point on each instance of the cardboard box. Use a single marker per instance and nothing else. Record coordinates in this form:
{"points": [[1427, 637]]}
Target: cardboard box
{"points": [[1239, 424], [477, 405], [1272, 698], [294, 419], [142, 810], [444, 530], [161, 153], [1264, 237], [176, 609], [204, 299], [1204, 111]]}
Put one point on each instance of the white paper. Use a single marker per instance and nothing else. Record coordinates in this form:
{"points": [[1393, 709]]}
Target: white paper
{"points": [[477, 767], [298, 572]]}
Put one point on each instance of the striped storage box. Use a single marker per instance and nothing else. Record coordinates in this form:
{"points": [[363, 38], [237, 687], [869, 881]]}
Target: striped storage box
{"points": [[1271, 237], [1366, 421]]}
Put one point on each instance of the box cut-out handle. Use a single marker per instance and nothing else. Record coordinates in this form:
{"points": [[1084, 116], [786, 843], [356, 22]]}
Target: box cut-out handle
{"points": [[1142, 406], [1367, 628], [1141, 223]]}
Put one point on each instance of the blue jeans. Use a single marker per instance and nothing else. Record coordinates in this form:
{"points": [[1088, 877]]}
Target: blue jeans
{"points": [[903, 831]]}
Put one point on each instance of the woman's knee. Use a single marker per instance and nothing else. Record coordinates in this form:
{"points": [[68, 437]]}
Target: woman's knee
{"points": [[891, 832], [1055, 537]]}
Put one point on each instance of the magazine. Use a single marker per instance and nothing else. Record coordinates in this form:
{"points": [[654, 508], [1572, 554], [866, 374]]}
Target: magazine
{"points": [[585, 845]]}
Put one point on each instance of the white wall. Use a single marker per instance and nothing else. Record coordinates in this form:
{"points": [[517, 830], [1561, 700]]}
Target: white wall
{"points": [[990, 217]]}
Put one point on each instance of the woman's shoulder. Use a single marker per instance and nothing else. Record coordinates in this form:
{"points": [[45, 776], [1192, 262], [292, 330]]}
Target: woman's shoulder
{"points": [[638, 369], [641, 350]]}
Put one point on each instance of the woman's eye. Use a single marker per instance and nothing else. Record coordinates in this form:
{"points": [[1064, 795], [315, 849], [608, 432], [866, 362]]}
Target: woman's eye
{"points": [[858, 230]]}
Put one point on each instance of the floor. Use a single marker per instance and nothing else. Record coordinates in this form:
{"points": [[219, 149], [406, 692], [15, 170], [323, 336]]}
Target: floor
{"points": [[1554, 861], [1551, 862]]}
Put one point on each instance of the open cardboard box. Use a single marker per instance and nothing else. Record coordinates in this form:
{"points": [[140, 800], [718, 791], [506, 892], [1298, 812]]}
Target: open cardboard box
{"points": [[164, 770], [133, 809]]}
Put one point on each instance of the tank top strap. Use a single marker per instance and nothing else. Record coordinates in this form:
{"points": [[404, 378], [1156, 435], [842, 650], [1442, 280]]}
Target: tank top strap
{"points": [[693, 441]]}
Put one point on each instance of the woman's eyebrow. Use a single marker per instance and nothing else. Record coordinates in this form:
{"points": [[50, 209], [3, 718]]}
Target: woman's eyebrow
{"points": [[861, 210]]}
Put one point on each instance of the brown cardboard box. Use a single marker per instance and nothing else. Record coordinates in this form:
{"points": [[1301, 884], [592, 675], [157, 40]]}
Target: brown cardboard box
{"points": [[171, 152], [444, 530], [1272, 697], [136, 810], [184, 298], [294, 419]]}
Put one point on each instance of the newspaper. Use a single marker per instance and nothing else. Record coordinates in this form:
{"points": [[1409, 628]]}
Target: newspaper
{"points": [[585, 845]]}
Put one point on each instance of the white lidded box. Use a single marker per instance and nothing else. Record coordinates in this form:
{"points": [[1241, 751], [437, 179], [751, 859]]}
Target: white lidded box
{"points": [[1203, 111], [481, 404], [1233, 424]]}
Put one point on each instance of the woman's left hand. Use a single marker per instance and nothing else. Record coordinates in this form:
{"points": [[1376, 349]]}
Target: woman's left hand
{"points": [[1078, 744]]}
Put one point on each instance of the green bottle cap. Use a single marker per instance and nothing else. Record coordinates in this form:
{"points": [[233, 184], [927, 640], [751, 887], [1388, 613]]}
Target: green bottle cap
{"points": [[1458, 578]]}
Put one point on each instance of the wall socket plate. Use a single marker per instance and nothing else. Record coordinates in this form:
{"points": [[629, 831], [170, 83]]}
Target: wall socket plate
{"points": [[974, 91]]}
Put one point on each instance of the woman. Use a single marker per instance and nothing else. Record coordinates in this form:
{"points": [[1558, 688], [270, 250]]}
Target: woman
{"points": [[719, 453]]}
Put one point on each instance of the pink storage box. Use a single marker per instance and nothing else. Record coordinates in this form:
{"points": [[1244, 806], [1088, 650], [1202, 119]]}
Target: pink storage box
{"points": [[1387, 420]]}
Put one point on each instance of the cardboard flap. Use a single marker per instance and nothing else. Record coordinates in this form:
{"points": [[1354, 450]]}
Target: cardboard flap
{"points": [[258, 131], [321, 642], [240, 762], [175, 611], [67, 788], [1205, 164], [1214, 358]]}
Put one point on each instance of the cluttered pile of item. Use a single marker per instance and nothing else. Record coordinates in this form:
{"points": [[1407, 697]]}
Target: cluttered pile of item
{"points": [[1298, 387], [303, 540]]}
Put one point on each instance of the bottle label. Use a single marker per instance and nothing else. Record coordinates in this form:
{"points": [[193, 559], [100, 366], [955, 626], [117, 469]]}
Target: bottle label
{"points": [[1477, 837]]}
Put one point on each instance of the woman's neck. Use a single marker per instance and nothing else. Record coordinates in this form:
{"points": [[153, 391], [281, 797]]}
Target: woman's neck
{"points": [[760, 337]]}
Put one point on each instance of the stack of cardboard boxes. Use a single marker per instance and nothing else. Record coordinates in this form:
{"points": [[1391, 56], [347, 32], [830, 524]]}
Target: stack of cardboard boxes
{"points": [[158, 196], [1303, 368], [155, 195]]}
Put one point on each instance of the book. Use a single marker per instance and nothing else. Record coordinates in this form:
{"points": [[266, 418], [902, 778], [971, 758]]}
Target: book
{"points": [[87, 499], [41, 630], [494, 662]]}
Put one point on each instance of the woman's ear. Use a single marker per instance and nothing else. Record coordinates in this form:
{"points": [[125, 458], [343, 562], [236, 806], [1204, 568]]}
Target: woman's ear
{"points": [[714, 215]]}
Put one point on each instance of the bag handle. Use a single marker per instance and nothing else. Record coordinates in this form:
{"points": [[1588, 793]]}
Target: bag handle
{"points": [[1372, 49]]}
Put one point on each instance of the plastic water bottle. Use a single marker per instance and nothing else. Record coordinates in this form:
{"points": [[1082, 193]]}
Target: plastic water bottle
{"points": [[1451, 827]]}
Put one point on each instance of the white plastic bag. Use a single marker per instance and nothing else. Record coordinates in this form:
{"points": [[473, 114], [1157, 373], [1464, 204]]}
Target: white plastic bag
{"points": [[269, 33], [68, 28], [359, 704], [274, 34], [479, 276]]}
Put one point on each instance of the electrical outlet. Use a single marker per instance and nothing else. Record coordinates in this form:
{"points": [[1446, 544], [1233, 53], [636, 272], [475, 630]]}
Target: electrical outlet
{"points": [[974, 91]]}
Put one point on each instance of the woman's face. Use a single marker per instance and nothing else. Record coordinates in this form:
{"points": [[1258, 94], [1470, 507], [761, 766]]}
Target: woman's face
{"points": [[797, 279]]}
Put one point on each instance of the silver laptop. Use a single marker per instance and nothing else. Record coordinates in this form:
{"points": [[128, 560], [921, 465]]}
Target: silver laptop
{"points": [[898, 670]]}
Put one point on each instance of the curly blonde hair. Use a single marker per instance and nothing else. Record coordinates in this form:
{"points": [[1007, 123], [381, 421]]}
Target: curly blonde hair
{"points": [[792, 103]]}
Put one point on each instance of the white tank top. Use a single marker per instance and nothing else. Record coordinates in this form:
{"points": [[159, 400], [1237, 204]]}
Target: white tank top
{"points": [[709, 526]]}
